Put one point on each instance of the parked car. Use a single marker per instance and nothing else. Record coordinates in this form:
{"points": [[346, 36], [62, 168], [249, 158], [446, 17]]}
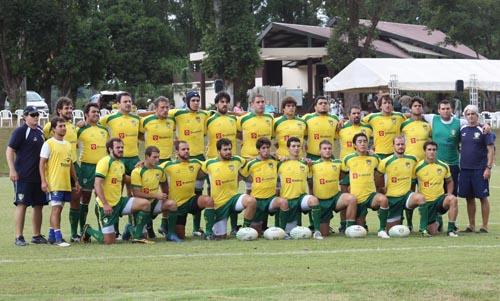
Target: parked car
{"points": [[32, 99], [105, 99]]}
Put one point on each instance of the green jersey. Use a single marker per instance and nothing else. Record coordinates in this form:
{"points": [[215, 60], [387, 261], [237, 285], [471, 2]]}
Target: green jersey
{"points": [[447, 137]]}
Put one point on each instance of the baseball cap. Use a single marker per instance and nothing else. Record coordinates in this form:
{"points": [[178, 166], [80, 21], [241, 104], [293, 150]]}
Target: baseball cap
{"points": [[29, 109]]}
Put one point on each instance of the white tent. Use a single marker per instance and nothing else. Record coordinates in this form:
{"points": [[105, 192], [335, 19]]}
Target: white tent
{"points": [[367, 74]]}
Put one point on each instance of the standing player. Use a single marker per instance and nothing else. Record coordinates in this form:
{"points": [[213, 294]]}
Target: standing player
{"points": [[351, 128], [287, 126], [416, 130], [326, 175], [110, 178], [432, 174], [263, 172], [223, 173], [293, 174], [92, 144], [181, 178], [220, 124], [399, 171], [361, 167], [56, 172]]}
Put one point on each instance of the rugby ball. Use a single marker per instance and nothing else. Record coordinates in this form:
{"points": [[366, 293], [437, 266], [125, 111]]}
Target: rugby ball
{"points": [[399, 231], [300, 232], [274, 233], [355, 231], [247, 233]]}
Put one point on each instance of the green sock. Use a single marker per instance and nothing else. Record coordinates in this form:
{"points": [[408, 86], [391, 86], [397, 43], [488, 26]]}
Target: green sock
{"points": [[311, 221], [451, 226], [164, 223], [141, 219], [210, 220], [298, 218], [233, 217], [247, 222], [277, 219], [74, 215], [196, 221], [382, 218], [343, 224], [439, 219], [409, 217], [316, 217], [283, 218], [84, 210], [424, 217], [349, 223], [95, 234], [117, 226], [172, 222]]}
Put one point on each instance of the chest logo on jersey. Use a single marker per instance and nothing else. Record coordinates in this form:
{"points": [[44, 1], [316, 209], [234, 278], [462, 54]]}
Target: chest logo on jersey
{"points": [[439, 170], [121, 135], [302, 168], [231, 167], [368, 162], [156, 137], [253, 135], [408, 164], [394, 179], [93, 146], [453, 132], [381, 133], [330, 122], [393, 119], [477, 135], [271, 165], [178, 183], [334, 167], [114, 180], [191, 168], [198, 119], [258, 179]]}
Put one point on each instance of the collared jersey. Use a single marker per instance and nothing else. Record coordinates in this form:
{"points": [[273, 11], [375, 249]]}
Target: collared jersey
{"points": [[181, 178], [71, 136], [319, 128], [147, 179], [325, 175], [447, 136], [112, 171], [399, 174], [264, 175], [346, 134], [253, 127], [27, 143], [285, 128], [416, 133], [92, 143], [223, 176], [474, 147], [191, 128], [385, 128], [431, 177], [293, 175], [125, 127], [361, 174], [58, 171], [160, 133], [220, 126]]}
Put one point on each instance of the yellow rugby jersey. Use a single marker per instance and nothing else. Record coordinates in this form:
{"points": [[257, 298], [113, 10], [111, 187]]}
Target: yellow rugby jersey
{"points": [[253, 127], [220, 126], [347, 132], [319, 128], [285, 128], [325, 175], [92, 143], [264, 175], [223, 175], [112, 171], [181, 177], [125, 127], [416, 133], [431, 178], [58, 171], [147, 179], [399, 173], [293, 176], [160, 133], [71, 136], [191, 128], [385, 128], [361, 174]]}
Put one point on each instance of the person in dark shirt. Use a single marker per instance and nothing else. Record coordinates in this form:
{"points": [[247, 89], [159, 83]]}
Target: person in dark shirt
{"points": [[23, 156]]}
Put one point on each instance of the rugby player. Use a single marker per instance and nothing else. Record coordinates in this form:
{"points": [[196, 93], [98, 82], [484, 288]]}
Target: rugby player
{"points": [[220, 124], [287, 126], [416, 130]]}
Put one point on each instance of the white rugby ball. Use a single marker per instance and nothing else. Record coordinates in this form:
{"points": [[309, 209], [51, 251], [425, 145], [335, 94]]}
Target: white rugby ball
{"points": [[247, 233], [399, 231], [301, 232], [355, 231], [274, 233]]}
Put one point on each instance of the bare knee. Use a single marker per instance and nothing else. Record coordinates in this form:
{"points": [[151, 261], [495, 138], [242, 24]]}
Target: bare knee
{"points": [[312, 201], [249, 202]]}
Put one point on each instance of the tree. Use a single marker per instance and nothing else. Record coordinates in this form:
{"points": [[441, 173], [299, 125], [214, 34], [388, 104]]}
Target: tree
{"points": [[287, 11]]}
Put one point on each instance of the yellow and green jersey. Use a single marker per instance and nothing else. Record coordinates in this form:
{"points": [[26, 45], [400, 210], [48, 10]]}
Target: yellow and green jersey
{"points": [[191, 128], [125, 127], [160, 133], [264, 175], [181, 178], [385, 128], [285, 128], [58, 170], [325, 175], [252, 127], [112, 171], [92, 143], [431, 177], [346, 134], [361, 174], [147, 179], [223, 176], [220, 126], [293, 176], [71, 136], [399, 174], [416, 133], [319, 127]]}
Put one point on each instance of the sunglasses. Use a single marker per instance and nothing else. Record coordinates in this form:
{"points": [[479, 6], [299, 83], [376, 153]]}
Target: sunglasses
{"points": [[34, 115]]}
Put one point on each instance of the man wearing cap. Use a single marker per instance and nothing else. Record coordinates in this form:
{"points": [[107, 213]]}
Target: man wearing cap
{"points": [[23, 159], [476, 161]]}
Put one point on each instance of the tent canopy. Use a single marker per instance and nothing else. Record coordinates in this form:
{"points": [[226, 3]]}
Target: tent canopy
{"points": [[371, 74]]}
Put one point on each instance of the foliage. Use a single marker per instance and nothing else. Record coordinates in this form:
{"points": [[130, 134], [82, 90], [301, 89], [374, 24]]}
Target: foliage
{"points": [[287, 11]]}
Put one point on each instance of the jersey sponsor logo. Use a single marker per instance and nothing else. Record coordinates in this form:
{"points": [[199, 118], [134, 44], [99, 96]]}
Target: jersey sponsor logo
{"points": [[286, 137], [218, 135], [258, 180], [394, 179], [156, 137], [114, 180], [253, 135], [381, 133], [316, 137], [426, 184], [93, 146], [218, 182], [121, 135], [178, 183], [413, 140], [322, 181], [146, 190], [187, 132], [288, 180], [355, 175], [349, 144]]}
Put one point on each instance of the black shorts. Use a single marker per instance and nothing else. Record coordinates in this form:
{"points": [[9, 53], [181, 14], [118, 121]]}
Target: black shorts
{"points": [[29, 194]]}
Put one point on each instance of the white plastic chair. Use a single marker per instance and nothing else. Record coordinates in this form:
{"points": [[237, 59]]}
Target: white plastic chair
{"points": [[140, 111], [104, 112], [486, 117], [114, 111], [5, 115], [19, 114], [43, 117], [77, 115]]}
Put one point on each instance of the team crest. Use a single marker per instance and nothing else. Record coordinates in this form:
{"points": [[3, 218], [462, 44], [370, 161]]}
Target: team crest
{"points": [[268, 121], [198, 119], [363, 131], [408, 164], [302, 168], [368, 162], [330, 122], [231, 167], [393, 119], [105, 220], [191, 168], [439, 170], [477, 135], [35, 139], [270, 164], [334, 167], [20, 196]]}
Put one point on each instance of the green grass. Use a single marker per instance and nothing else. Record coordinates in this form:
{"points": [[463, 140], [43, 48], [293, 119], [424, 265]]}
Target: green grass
{"points": [[439, 268]]}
